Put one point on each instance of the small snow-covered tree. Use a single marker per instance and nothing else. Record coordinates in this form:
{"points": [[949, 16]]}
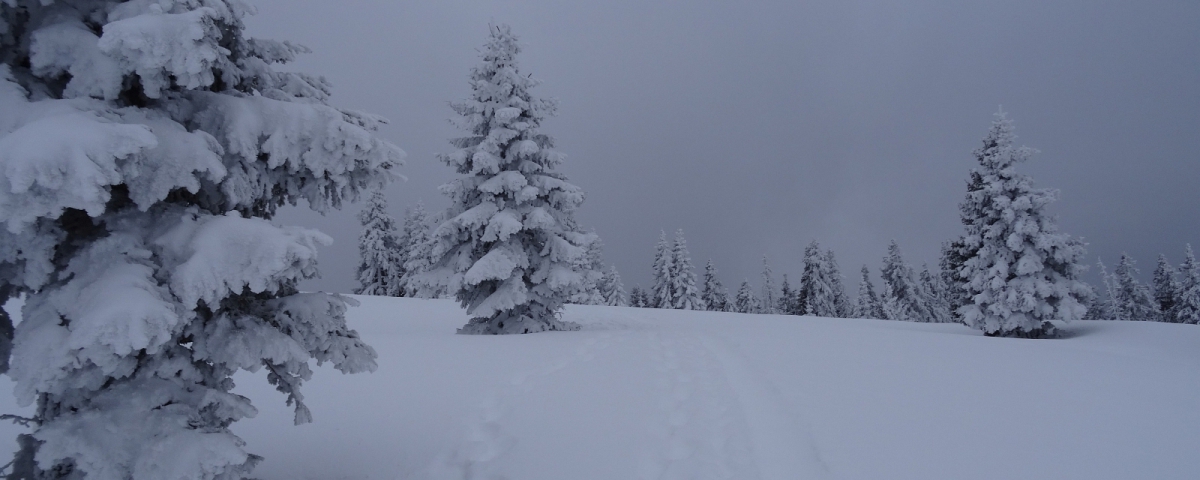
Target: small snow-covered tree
{"points": [[934, 296], [636, 297], [417, 259], [816, 293], [1103, 308], [745, 301], [902, 297], [661, 294], [834, 273], [1022, 271], [1166, 288], [867, 305], [787, 298], [767, 300], [712, 293], [612, 289], [509, 245], [685, 295], [1187, 302], [1131, 300], [380, 251], [950, 264], [145, 147], [591, 268]]}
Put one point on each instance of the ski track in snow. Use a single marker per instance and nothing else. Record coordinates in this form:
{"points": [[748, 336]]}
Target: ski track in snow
{"points": [[723, 420], [485, 440]]}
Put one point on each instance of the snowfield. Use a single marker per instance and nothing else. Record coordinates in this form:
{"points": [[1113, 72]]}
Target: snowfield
{"points": [[669, 394]]}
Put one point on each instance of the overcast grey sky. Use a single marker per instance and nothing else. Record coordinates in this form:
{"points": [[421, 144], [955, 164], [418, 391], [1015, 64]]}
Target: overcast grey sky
{"points": [[760, 126]]}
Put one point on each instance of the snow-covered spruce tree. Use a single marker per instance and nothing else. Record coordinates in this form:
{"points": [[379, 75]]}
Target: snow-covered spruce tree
{"points": [[768, 299], [1022, 271], [661, 295], [1187, 302], [509, 244], [745, 301], [381, 254], [683, 277], [1132, 301], [816, 293], [712, 294], [612, 289], [867, 305], [834, 273], [145, 147], [418, 245], [591, 268], [901, 298], [1166, 288]]}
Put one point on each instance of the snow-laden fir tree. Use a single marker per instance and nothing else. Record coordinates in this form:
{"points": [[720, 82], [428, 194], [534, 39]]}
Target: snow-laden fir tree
{"points": [[1022, 272], [509, 246], [712, 294], [381, 254], [685, 294], [145, 147], [612, 289], [935, 295], [816, 291], [834, 273], [661, 294], [417, 259], [767, 299], [745, 301], [902, 297], [1187, 302], [591, 268], [867, 305], [1166, 288], [1131, 301]]}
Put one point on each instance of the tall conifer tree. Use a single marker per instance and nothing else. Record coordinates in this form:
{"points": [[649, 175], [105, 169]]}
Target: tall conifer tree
{"points": [[1021, 271], [509, 245]]}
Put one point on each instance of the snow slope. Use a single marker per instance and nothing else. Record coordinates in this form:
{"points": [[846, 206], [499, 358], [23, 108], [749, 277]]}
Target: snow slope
{"points": [[664, 394]]}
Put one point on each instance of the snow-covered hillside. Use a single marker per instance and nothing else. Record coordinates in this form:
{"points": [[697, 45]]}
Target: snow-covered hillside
{"points": [[665, 394]]}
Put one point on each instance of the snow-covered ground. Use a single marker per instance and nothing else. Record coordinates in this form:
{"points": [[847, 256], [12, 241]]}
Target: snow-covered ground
{"points": [[664, 394]]}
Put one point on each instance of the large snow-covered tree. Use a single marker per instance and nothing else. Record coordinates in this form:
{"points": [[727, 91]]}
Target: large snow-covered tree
{"points": [[509, 243], [144, 148], [684, 293], [1021, 271], [1187, 301], [713, 295], [867, 305], [381, 252]]}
